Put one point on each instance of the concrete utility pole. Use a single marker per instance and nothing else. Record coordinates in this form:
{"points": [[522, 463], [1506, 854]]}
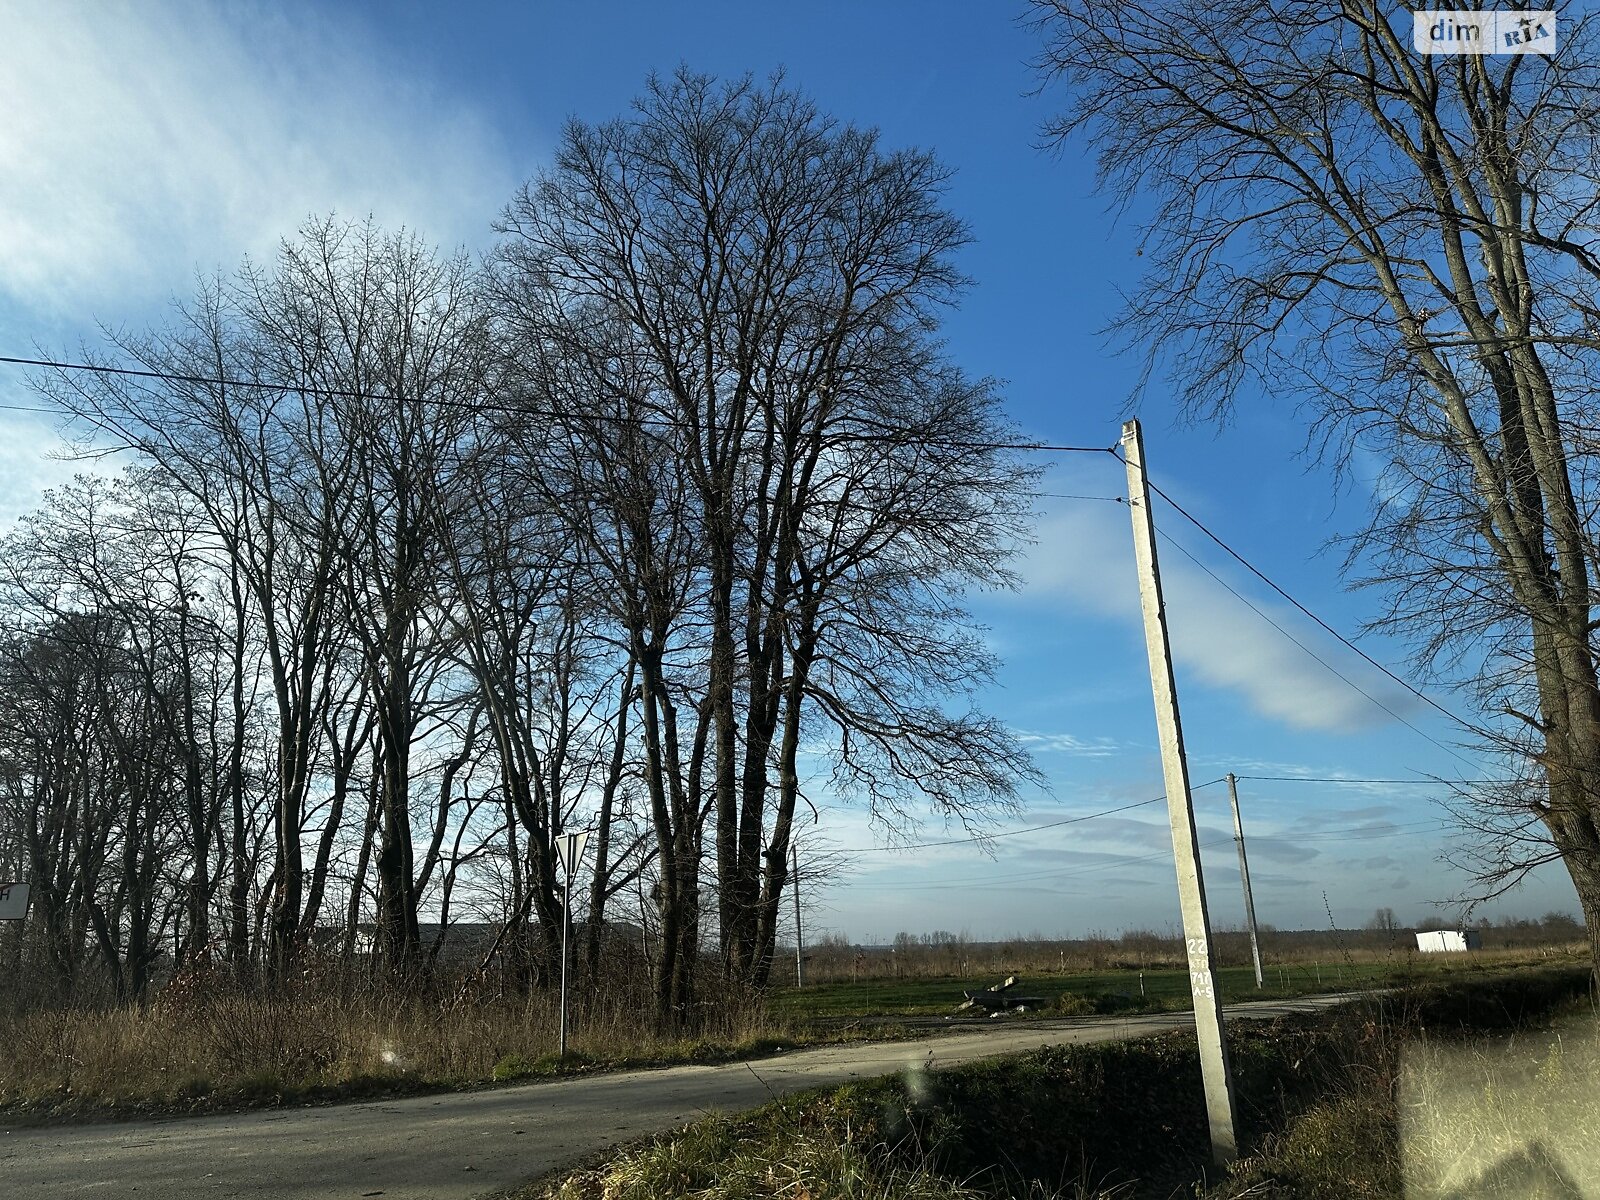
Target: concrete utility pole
{"points": [[1215, 1070], [799, 941], [1244, 874]]}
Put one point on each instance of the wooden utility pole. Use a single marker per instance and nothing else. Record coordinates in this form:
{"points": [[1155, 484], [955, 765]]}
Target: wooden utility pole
{"points": [[1244, 875], [1215, 1070]]}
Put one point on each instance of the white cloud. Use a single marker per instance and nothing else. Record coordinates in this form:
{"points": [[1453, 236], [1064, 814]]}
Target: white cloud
{"points": [[1070, 743], [142, 142], [26, 465], [1084, 556]]}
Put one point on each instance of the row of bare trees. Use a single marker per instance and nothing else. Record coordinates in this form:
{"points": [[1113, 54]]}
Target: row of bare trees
{"points": [[661, 511]]}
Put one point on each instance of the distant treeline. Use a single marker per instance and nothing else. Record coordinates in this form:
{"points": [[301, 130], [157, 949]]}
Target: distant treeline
{"points": [[944, 953]]}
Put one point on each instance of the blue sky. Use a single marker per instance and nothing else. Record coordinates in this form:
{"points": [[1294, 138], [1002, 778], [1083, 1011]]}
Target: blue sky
{"points": [[146, 143]]}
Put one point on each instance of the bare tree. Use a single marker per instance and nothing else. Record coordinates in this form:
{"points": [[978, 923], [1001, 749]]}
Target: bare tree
{"points": [[106, 682], [770, 279], [62, 829], [391, 335], [606, 464], [260, 463], [1407, 245], [535, 643], [311, 414]]}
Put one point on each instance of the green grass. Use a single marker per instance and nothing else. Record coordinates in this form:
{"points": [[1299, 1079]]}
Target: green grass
{"points": [[1124, 990], [1160, 991]]}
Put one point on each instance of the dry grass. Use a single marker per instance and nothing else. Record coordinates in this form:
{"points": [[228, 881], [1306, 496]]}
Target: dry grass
{"points": [[827, 1147], [1391, 1121], [232, 1049], [723, 1159]]}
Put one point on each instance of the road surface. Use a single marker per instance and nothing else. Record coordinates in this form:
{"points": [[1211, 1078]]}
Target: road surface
{"points": [[463, 1145]]}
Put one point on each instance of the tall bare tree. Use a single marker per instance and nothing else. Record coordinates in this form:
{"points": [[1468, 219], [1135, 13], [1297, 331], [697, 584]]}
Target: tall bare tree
{"points": [[766, 272], [262, 465], [391, 336], [602, 459], [1407, 244], [545, 662]]}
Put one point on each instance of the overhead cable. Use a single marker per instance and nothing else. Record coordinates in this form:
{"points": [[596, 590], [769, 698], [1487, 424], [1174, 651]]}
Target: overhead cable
{"points": [[1262, 575], [1326, 665], [306, 389], [979, 839]]}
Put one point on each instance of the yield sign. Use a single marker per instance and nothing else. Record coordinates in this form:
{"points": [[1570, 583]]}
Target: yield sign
{"points": [[569, 848]]}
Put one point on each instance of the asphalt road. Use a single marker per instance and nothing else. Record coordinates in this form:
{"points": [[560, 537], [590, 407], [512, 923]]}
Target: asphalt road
{"points": [[468, 1144]]}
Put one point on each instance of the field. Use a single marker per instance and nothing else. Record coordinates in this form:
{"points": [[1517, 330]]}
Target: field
{"points": [[1151, 990], [1131, 989]]}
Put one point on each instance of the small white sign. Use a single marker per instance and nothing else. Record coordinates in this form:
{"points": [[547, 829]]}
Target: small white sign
{"points": [[1483, 31], [13, 901], [569, 848]]}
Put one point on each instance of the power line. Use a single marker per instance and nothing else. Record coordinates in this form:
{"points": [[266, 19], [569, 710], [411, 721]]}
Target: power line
{"points": [[988, 837], [1329, 667], [478, 406], [1404, 782], [1261, 575]]}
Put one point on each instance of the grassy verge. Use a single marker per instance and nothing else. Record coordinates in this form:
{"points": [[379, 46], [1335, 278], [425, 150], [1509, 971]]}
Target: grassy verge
{"points": [[1350, 1140], [205, 1050], [1317, 1101], [237, 1051]]}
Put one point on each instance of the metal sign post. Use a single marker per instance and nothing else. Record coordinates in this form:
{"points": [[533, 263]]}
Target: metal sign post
{"points": [[799, 937], [569, 848], [13, 901], [1215, 1071]]}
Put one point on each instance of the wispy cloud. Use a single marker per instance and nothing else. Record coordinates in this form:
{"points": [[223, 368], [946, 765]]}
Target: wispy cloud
{"points": [[26, 468], [144, 141], [1071, 743], [1279, 849], [1084, 556]]}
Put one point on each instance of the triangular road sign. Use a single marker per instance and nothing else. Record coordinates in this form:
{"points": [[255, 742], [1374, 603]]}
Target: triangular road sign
{"points": [[569, 848]]}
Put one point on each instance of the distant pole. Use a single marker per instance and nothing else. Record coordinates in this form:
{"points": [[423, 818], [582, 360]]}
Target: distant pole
{"points": [[794, 875], [1215, 1070], [1244, 874]]}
